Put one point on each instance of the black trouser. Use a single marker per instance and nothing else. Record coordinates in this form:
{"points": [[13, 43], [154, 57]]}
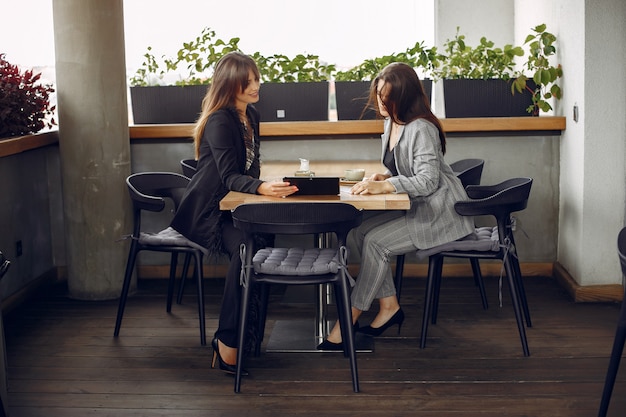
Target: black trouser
{"points": [[232, 238], [226, 332]]}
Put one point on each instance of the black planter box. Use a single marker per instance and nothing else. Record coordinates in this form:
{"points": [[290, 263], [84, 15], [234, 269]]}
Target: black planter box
{"points": [[282, 102], [351, 98], [167, 104], [484, 98]]}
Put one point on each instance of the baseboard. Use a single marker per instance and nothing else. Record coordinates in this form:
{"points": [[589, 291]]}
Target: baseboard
{"points": [[411, 270], [48, 278], [587, 293]]}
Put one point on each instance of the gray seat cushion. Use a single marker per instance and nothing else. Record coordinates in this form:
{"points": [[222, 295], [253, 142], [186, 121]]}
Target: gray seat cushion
{"points": [[484, 239], [296, 261], [168, 237]]}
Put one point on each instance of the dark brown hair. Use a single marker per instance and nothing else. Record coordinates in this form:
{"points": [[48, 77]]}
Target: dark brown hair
{"points": [[229, 79], [403, 97]]}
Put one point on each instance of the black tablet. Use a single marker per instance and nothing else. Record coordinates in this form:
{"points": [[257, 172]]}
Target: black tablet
{"points": [[314, 185]]}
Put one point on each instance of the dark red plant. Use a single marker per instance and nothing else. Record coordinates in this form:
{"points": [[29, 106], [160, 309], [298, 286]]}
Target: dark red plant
{"points": [[24, 104]]}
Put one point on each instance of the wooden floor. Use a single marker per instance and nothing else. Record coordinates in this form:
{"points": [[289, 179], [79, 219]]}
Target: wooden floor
{"points": [[64, 361]]}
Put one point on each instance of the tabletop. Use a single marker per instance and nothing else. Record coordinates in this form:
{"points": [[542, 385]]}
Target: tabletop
{"points": [[365, 202]]}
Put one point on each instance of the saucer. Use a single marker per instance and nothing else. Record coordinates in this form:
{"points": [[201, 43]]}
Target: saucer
{"points": [[347, 182]]}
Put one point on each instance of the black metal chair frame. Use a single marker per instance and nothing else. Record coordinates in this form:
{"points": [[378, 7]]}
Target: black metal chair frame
{"points": [[499, 201], [189, 168], [148, 191], [287, 218], [469, 171], [620, 334]]}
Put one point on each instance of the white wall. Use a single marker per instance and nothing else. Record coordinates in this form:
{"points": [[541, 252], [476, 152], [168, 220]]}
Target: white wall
{"points": [[591, 35], [605, 133]]}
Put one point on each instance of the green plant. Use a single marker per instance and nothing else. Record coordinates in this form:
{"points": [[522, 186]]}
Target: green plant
{"points": [[544, 74], [417, 56], [483, 61], [198, 57], [301, 68], [24, 102]]}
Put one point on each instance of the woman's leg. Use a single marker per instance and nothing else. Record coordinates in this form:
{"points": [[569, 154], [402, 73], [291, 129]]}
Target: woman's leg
{"points": [[387, 238], [377, 239], [226, 332]]}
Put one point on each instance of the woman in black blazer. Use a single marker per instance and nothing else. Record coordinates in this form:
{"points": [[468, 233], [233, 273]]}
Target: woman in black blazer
{"points": [[226, 139]]}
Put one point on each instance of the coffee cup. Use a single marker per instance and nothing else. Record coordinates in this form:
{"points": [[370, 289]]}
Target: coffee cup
{"points": [[354, 174]]}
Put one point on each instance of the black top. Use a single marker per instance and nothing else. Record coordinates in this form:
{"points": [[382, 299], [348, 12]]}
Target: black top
{"points": [[389, 161]]}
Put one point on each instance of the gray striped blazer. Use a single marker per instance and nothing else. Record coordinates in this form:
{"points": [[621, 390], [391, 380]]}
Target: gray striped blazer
{"points": [[432, 186]]}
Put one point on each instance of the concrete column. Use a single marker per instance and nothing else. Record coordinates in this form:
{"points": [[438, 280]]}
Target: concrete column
{"points": [[94, 143]]}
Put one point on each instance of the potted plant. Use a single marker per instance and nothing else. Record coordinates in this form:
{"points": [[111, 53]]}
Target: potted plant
{"points": [[477, 80], [352, 86], [161, 94], [293, 88], [25, 106], [543, 83]]}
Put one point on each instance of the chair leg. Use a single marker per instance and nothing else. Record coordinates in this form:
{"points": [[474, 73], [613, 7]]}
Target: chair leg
{"points": [[262, 318], [172, 281], [521, 292], [435, 265], [398, 275], [515, 301], [478, 280], [130, 265], [183, 278], [434, 306], [200, 285], [342, 292], [616, 355], [243, 321]]}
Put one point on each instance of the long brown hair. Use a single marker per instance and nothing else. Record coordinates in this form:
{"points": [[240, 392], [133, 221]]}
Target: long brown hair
{"points": [[229, 79], [404, 97]]}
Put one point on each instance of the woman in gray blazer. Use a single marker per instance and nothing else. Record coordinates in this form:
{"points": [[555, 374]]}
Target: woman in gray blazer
{"points": [[413, 145]]}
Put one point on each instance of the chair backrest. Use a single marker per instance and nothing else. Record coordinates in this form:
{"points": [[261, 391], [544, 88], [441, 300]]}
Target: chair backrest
{"points": [[189, 167], [499, 200], [469, 171], [148, 191], [297, 218], [621, 250]]}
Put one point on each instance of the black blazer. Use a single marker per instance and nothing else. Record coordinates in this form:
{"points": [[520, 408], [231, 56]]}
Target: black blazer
{"points": [[221, 168]]}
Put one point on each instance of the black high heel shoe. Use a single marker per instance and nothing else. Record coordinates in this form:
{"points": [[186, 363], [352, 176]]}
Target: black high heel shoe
{"points": [[326, 345], [227, 368], [397, 318]]}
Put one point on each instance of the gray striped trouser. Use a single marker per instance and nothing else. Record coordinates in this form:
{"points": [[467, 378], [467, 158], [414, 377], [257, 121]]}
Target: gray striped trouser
{"points": [[377, 239]]}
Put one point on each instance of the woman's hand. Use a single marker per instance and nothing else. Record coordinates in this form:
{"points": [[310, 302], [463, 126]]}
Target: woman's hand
{"points": [[276, 188], [377, 177], [373, 186]]}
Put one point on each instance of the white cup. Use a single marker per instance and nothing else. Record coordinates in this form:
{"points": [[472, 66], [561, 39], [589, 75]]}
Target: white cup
{"points": [[354, 174]]}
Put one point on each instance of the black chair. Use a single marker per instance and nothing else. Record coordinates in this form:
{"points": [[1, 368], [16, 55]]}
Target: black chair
{"points": [[189, 167], [148, 191], [620, 334], [495, 242], [469, 171], [294, 266]]}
